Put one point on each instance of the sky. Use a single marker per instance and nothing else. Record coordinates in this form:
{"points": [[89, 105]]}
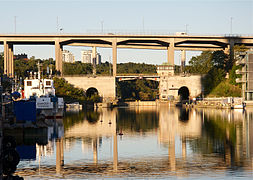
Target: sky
{"points": [[197, 17]]}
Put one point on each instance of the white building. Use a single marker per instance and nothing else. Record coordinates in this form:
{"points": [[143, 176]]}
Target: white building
{"points": [[68, 56], [86, 57]]}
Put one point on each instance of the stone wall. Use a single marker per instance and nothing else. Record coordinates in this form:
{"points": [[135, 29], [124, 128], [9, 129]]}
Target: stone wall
{"points": [[105, 85], [169, 85]]}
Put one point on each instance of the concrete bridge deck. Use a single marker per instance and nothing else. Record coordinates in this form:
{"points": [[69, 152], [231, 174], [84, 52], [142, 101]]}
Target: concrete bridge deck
{"points": [[170, 43]]}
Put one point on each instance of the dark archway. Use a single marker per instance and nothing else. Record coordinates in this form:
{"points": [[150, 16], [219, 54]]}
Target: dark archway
{"points": [[91, 91], [184, 93]]}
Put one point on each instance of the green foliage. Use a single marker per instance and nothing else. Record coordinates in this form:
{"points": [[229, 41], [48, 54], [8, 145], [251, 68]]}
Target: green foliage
{"points": [[104, 68], [212, 79], [220, 60], [215, 65], [77, 68], [233, 75], [137, 90], [68, 91], [72, 94], [225, 89], [201, 64]]}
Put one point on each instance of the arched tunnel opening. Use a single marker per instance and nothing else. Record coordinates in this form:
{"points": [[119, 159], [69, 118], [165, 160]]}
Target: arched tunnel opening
{"points": [[91, 92], [184, 93]]}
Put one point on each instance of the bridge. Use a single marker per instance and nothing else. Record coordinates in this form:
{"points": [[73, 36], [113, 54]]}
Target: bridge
{"points": [[170, 43], [106, 85]]}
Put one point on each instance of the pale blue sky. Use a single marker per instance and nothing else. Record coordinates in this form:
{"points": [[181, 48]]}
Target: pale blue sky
{"points": [[201, 17]]}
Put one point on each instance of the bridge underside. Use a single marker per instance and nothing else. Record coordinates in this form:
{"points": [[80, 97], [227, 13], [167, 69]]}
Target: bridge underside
{"points": [[170, 43]]}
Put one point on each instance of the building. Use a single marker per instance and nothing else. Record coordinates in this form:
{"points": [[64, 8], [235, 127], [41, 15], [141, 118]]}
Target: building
{"points": [[177, 87], [245, 59], [20, 57], [86, 57], [68, 57]]}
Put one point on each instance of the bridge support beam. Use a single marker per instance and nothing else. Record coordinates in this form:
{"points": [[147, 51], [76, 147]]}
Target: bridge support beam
{"points": [[230, 50], [94, 59], [8, 59], [114, 57], [170, 52], [183, 59], [58, 58]]}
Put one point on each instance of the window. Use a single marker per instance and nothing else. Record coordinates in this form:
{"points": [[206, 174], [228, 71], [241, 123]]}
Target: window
{"points": [[48, 83], [29, 83]]}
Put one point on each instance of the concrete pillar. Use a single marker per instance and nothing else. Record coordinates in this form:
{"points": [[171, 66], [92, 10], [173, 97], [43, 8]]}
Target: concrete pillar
{"points": [[231, 50], [170, 52], [62, 153], [58, 156], [58, 57], [6, 55], [94, 55], [115, 152], [184, 148], [10, 61], [172, 158], [183, 59], [114, 57], [95, 151], [94, 59]]}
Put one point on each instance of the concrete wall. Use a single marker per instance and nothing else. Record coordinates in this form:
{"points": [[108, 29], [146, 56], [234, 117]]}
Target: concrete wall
{"points": [[105, 85], [169, 85]]}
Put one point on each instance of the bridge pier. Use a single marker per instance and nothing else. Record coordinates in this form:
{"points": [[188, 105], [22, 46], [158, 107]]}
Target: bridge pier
{"points": [[58, 57], [114, 57], [170, 52], [230, 49], [8, 59], [183, 59]]}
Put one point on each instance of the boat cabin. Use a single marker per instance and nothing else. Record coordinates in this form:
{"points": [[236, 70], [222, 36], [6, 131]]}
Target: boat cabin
{"points": [[38, 88]]}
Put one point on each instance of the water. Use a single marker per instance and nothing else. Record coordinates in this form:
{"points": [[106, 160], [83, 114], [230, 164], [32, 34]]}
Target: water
{"points": [[144, 142]]}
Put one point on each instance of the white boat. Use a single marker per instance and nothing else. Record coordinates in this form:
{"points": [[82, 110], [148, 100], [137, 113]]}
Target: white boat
{"points": [[237, 103], [43, 91]]}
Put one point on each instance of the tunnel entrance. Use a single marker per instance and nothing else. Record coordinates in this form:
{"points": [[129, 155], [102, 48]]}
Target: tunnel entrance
{"points": [[91, 91], [184, 93]]}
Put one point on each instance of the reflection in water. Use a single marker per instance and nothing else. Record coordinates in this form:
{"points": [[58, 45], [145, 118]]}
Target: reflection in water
{"points": [[156, 141]]}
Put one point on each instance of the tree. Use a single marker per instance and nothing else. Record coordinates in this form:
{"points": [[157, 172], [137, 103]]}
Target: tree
{"points": [[220, 60], [201, 64]]}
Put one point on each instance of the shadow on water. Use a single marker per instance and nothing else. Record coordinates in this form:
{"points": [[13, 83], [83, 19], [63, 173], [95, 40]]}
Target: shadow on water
{"points": [[137, 121], [184, 114], [73, 118], [22, 144], [225, 137]]}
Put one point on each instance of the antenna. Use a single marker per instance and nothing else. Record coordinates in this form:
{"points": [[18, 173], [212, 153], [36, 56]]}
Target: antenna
{"points": [[102, 26], [143, 24], [186, 28], [15, 22], [231, 25], [57, 24]]}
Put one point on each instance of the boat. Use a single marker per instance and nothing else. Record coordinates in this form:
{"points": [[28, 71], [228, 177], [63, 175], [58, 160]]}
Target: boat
{"points": [[42, 91], [237, 103]]}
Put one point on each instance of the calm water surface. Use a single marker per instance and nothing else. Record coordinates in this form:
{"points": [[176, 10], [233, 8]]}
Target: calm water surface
{"points": [[142, 142]]}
